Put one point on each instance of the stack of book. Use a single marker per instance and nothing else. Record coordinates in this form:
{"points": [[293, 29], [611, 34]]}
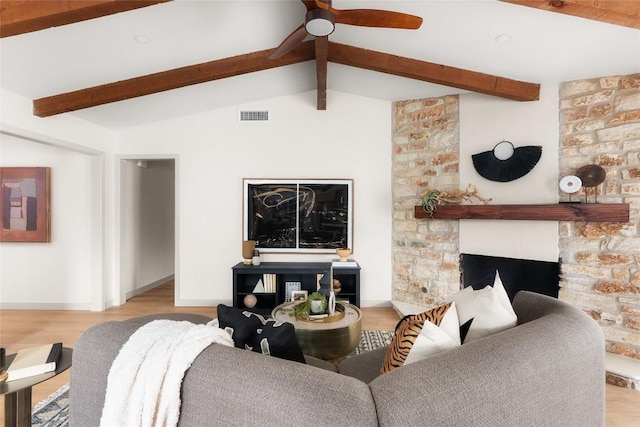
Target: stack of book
{"points": [[34, 361], [266, 285]]}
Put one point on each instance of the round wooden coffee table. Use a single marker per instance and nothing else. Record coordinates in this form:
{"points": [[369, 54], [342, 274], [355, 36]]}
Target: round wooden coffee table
{"points": [[330, 340], [17, 394]]}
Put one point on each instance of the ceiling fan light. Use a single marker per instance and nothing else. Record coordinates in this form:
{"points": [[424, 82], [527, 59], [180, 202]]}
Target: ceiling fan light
{"points": [[319, 22]]}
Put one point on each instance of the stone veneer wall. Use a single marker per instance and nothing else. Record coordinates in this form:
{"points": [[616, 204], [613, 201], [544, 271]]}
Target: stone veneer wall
{"points": [[425, 156], [600, 270], [600, 262]]}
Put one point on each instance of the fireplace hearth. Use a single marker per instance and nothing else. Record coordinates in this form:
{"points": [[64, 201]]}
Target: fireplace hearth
{"points": [[542, 277]]}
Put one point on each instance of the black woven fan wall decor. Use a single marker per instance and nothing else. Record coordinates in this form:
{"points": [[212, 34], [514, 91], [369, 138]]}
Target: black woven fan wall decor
{"points": [[505, 162]]}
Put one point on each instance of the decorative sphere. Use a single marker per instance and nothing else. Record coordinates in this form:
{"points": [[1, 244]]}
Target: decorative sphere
{"points": [[250, 301]]}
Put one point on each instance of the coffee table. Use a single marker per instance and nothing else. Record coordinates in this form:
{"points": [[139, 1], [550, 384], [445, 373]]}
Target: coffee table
{"points": [[17, 394], [330, 341]]}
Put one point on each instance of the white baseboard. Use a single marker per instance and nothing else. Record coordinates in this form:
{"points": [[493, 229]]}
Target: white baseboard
{"points": [[45, 306], [202, 303]]}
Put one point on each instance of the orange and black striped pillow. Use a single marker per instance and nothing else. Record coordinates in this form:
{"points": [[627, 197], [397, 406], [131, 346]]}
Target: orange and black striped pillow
{"points": [[419, 335]]}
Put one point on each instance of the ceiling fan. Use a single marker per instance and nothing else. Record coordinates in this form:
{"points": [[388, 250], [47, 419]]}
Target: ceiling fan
{"points": [[321, 18]]}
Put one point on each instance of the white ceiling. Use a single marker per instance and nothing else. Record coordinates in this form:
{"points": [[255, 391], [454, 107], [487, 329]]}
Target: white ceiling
{"points": [[545, 47]]}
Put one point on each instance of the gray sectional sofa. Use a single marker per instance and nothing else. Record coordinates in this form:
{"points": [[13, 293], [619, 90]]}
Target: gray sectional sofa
{"points": [[547, 371]]}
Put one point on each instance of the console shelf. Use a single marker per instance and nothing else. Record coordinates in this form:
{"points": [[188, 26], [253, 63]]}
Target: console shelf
{"points": [[306, 274], [589, 212]]}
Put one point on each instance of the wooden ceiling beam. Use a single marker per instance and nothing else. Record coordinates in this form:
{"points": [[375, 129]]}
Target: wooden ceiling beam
{"points": [[171, 79], [433, 73], [618, 12], [322, 51], [25, 16]]}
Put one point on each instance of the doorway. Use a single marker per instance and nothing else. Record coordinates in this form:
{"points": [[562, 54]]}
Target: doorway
{"points": [[147, 225]]}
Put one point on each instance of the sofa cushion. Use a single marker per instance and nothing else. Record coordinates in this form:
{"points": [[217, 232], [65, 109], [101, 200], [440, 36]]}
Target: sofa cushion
{"points": [[488, 308], [253, 332], [420, 335]]}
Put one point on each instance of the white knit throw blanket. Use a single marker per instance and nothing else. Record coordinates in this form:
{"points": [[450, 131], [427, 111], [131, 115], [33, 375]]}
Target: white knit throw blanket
{"points": [[144, 381]]}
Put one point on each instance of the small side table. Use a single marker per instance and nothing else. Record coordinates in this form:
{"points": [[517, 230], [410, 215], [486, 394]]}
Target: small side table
{"points": [[17, 394], [331, 341]]}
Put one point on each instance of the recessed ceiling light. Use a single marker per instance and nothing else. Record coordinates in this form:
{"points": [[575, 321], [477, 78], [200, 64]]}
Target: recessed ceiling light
{"points": [[503, 38], [142, 39]]}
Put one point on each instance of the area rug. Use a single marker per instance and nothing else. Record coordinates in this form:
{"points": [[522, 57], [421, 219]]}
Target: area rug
{"points": [[371, 340], [54, 410]]}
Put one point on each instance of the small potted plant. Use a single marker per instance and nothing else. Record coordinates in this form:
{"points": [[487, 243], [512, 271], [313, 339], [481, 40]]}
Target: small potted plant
{"points": [[317, 303], [314, 304]]}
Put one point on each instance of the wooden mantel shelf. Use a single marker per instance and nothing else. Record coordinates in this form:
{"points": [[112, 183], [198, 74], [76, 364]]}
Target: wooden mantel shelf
{"points": [[590, 212]]}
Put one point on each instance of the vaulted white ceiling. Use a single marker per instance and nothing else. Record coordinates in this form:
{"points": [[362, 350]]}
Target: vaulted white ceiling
{"points": [[544, 48]]}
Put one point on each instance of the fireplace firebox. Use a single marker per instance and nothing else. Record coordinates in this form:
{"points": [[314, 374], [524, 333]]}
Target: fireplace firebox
{"points": [[542, 277]]}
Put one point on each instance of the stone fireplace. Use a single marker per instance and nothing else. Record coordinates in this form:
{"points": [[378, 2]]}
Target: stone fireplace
{"points": [[597, 122]]}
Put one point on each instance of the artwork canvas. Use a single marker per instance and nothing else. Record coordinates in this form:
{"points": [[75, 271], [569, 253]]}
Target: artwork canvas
{"points": [[298, 215], [25, 204]]}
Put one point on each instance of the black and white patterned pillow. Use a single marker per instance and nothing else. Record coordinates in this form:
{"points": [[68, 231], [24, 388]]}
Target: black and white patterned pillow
{"points": [[241, 325], [278, 339], [267, 336]]}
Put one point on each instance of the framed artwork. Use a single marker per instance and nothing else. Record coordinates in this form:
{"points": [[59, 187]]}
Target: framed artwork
{"points": [[289, 287], [312, 216], [25, 204], [299, 296]]}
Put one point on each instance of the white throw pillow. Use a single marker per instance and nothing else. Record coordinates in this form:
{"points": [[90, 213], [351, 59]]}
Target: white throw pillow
{"points": [[489, 309]]}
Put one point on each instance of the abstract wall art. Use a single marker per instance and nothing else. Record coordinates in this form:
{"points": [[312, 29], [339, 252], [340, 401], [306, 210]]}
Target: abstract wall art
{"points": [[25, 204], [312, 216]]}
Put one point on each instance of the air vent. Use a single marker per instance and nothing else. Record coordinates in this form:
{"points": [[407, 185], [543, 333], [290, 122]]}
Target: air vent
{"points": [[254, 115]]}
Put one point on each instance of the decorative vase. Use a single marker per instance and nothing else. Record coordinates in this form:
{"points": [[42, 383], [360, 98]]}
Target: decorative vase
{"points": [[343, 253], [256, 257], [248, 246], [332, 303]]}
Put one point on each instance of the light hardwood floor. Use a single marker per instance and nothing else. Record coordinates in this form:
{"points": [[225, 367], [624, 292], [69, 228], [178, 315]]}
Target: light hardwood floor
{"points": [[26, 328]]}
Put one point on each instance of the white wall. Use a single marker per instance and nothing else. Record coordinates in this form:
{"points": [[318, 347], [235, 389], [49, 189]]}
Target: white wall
{"points": [[147, 224], [351, 139], [56, 274], [73, 137], [213, 152], [63, 130], [485, 121]]}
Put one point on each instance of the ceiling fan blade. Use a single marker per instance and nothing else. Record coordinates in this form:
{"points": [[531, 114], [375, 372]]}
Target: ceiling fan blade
{"points": [[322, 51], [372, 17], [294, 39], [309, 4], [377, 18]]}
